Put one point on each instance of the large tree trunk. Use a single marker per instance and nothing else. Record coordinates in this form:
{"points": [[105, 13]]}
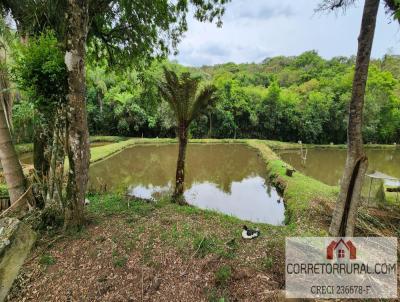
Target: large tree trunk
{"points": [[78, 134], [180, 167], [345, 214]]}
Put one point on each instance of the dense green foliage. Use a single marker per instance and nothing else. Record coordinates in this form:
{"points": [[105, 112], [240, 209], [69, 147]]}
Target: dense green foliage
{"points": [[303, 98], [40, 70], [40, 73], [286, 98]]}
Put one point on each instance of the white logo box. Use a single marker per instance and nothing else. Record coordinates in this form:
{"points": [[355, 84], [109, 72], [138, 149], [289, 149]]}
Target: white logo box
{"points": [[330, 267]]}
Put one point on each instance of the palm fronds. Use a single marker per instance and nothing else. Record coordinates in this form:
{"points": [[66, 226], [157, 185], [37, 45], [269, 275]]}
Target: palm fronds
{"points": [[184, 95], [203, 99]]}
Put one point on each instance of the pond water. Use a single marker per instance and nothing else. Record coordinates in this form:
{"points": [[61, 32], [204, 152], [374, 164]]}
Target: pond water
{"points": [[327, 165], [227, 178], [26, 158]]}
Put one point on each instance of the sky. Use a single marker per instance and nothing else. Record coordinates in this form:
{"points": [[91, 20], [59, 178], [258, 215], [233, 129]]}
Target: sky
{"points": [[256, 29]]}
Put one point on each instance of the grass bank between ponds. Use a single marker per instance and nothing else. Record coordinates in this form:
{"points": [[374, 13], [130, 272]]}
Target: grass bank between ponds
{"points": [[24, 148], [304, 196], [276, 145], [28, 147], [105, 138]]}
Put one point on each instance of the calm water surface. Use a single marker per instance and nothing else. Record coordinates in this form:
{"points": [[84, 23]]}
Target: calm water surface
{"points": [[26, 158], [327, 165], [222, 177]]}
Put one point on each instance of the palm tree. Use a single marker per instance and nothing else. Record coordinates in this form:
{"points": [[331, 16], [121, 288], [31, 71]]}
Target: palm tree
{"points": [[187, 101], [9, 159], [12, 168]]}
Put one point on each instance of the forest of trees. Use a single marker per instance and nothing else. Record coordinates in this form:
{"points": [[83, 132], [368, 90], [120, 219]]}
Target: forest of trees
{"points": [[295, 98]]}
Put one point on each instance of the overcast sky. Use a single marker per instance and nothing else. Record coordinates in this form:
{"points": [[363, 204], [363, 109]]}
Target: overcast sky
{"points": [[256, 29]]}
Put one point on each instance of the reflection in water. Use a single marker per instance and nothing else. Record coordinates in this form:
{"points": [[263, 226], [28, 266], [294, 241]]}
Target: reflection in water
{"points": [[392, 183], [226, 178], [149, 191], [264, 206], [327, 165]]}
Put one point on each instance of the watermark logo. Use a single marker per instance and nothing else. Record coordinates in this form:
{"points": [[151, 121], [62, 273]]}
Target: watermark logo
{"points": [[357, 267], [342, 250]]}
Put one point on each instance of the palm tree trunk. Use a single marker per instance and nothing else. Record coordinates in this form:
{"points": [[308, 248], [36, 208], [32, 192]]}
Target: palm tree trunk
{"points": [[180, 167], [345, 214], [12, 169], [78, 134]]}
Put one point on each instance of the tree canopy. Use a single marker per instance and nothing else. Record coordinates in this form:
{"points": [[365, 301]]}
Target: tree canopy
{"points": [[282, 98], [121, 30]]}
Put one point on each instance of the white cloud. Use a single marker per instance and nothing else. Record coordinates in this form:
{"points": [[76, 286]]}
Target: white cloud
{"points": [[256, 29]]}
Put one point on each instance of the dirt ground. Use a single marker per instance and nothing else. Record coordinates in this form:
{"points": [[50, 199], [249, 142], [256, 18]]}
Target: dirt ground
{"points": [[154, 257]]}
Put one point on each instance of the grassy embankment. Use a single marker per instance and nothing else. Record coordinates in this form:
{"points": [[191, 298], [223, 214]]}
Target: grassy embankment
{"points": [[28, 147], [162, 251]]}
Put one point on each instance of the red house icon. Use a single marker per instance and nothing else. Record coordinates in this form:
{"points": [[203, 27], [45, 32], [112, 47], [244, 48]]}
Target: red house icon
{"points": [[343, 249]]}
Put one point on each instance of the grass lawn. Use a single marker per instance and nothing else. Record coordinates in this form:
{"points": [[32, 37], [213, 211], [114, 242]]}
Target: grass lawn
{"points": [[24, 148]]}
